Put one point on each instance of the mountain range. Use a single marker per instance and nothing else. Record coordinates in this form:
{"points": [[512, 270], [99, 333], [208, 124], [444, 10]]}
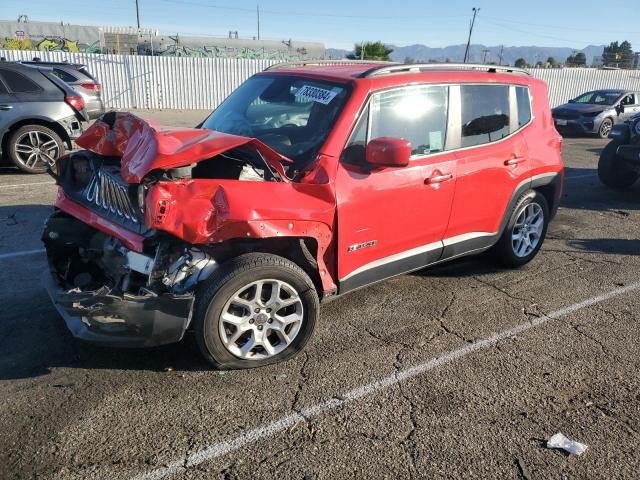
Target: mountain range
{"points": [[455, 53]]}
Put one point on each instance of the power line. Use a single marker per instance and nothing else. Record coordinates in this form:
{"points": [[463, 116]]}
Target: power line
{"points": [[307, 14]]}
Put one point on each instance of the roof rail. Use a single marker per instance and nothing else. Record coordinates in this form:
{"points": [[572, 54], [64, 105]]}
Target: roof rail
{"points": [[419, 67], [327, 62]]}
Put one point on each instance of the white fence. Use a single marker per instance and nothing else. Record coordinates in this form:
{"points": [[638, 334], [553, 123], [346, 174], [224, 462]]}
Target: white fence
{"points": [[131, 81]]}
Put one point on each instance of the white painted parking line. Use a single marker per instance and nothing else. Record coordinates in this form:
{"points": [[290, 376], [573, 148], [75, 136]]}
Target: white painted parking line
{"points": [[251, 436], [21, 254], [584, 175], [27, 184]]}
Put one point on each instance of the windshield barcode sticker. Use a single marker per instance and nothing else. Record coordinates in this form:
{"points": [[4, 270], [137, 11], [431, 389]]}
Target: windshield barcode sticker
{"points": [[316, 94]]}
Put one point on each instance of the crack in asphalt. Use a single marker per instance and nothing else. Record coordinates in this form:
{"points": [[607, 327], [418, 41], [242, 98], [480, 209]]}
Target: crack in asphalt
{"points": [[579, 328], [501, 290], [612, 415]]}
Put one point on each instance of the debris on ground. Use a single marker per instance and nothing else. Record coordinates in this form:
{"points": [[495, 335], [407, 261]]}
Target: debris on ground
{"points": [[569, 446]]}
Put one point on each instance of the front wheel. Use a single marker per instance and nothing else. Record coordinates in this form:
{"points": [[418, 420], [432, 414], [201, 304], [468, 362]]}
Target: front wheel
{"points": [[611, 171], [605, 128], [257, 309], [525, 231]]}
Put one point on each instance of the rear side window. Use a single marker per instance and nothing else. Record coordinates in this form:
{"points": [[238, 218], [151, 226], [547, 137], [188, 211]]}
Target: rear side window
{"points": [[524, 106], [19, 83], [418, 114], [64, 76], [485, 113], [87, 73], [3, 89]]}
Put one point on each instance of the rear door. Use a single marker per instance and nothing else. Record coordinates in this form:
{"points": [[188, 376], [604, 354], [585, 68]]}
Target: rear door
{"points": [[392, 220], [7, 105], [492, 161]]}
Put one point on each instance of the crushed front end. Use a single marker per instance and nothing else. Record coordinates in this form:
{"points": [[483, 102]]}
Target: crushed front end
{"points": [[145, 213]]}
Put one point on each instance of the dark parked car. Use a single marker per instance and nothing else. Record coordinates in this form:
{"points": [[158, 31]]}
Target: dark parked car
{"points": [[596, 112], [619, 165], [39, 116], [81, 80]]}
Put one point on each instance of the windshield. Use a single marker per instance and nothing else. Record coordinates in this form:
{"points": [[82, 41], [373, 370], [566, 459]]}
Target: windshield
{"points": [[598, 98], [293, 115]]}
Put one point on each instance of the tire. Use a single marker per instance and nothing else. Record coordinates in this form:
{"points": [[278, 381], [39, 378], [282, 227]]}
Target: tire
{"points": [[232, 290], [612, 172], [605, 128], [32, 158], [509, 252]]}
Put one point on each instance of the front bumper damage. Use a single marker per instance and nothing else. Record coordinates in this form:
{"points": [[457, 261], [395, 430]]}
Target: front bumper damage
{"points": [[122, 320], [114, 296]]}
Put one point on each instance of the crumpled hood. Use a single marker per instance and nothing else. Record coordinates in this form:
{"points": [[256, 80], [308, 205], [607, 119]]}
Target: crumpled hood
{"points": [[144, 145], [581, 108]]}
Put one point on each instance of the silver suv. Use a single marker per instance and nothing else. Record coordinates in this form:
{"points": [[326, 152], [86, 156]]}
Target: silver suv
{"points": [[78, 77], [39, 116]]}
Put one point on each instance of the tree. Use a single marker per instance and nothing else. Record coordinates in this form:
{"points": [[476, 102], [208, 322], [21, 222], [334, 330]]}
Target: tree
{"points": [[618, 55], [577, 60], [521, 63], [372, 51], [541, 64], [552, 62]]}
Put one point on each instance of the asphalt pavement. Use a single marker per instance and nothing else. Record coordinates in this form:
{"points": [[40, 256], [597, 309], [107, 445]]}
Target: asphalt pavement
{"points": [[460, 371]]}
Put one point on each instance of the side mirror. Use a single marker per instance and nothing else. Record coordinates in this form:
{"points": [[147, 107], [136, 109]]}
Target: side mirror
{"points": [[388, 152], [620, 108]]}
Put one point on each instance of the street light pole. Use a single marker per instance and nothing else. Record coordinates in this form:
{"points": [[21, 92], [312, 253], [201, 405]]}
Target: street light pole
{"points": [[473, 21], [138, 14]]}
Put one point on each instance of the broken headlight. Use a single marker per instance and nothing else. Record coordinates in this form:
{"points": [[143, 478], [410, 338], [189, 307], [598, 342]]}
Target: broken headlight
{"points": [[81, 170]]}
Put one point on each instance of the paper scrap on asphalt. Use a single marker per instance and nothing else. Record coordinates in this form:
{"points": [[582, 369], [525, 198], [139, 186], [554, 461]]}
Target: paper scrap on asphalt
{"points": [[570, 446]]}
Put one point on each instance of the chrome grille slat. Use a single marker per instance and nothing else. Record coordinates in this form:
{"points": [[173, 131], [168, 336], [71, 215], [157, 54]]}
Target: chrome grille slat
{"points": [[107, 192]]}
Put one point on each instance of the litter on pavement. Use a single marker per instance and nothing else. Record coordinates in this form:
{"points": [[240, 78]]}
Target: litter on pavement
{"points": [[570, 446]]}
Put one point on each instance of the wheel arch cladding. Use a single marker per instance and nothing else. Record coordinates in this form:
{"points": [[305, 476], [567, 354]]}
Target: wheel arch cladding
{"points": [[55, 126]]}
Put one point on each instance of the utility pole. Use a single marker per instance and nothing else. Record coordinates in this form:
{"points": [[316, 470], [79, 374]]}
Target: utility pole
{"points": [[138, 14], [501, 50], [473, 21], [258, 11], [362, 51], [484, 58]]}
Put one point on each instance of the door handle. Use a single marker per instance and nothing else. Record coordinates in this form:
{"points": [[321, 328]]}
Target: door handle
{"points": [[438, 177], [6, 107], [514, 160]]}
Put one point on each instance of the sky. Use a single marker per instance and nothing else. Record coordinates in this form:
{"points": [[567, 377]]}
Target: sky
{"points": [[340, 23]]}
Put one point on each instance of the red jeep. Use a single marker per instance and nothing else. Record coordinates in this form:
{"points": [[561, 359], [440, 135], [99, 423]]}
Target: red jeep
{"points": [[309, 181]]}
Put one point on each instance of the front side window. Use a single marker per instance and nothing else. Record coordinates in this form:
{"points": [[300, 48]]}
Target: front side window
{"points": [[524, 106], [293, 115], [417, 114], [628, 100], [485, 113]]}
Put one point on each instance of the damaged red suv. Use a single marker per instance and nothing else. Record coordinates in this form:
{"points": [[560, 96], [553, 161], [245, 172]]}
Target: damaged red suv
{"points": [[307, 182]]}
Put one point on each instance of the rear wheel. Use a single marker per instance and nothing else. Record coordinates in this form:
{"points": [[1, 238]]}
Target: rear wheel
{"points": [[32, 148], [613, 172], [525, 231], [257, 309]]}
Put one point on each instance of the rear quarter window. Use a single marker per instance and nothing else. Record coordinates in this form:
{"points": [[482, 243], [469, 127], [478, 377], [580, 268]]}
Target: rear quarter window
{"points": [[485, 113], [19, 83], [64, 76], [524, 106]]}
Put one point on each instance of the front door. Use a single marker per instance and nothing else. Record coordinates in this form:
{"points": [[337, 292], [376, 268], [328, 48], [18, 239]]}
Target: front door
{"points": [[392, 220]]}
